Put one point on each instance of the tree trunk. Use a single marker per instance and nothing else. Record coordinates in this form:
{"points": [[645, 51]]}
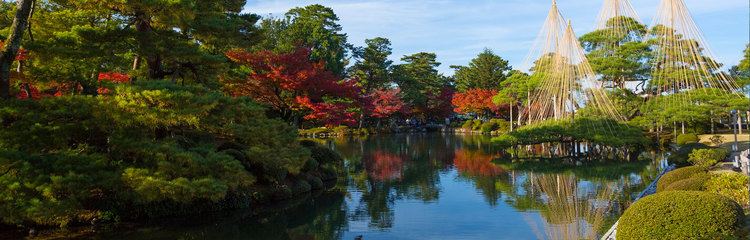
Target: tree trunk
{"points": [[12, 44], [154, 60], [511, 117]]}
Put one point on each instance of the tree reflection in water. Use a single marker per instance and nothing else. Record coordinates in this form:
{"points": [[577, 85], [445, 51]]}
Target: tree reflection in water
{"points": [[433, 175], [571, 211]]}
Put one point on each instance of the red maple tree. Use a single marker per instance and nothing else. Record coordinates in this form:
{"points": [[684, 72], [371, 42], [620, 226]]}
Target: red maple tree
{"points": [[478, 101], [294, 86], [386, 102]]}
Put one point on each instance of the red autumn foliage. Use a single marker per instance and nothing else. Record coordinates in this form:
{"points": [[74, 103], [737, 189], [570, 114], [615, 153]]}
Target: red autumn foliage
{"points": [[477, 101], [22, 54], [292, 83], [386, 102], [439, 103], [384, 166], [28, 91], [114, 77], [330, 114], [475, 163]]}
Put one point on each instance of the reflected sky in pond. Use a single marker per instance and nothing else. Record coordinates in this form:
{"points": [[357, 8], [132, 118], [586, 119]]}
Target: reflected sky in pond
{"points": [[434, 186]]}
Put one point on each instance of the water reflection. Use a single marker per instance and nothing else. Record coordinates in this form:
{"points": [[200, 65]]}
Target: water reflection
{"points": [[428, 186]]}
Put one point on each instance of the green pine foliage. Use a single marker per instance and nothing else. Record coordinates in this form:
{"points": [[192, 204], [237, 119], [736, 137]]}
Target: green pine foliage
{"points": [[76, 158], [592, 130]]}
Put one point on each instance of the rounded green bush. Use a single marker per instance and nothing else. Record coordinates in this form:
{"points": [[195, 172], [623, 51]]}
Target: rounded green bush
{"points": [[695, 183], [732, 185], [677, 175], [707, 157], [681, 215], [686, 138]]}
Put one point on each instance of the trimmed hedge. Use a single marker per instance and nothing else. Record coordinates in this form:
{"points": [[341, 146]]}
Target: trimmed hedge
{"points": [[687, 139], [677, 175], [681, 215], [732, 185], [695, 183]]}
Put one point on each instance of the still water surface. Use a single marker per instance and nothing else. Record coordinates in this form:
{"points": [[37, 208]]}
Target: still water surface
{"points": [[434, 186]]}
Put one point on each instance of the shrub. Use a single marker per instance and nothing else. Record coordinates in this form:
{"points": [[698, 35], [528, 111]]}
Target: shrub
{"points": [[707, 157], [695, 183], [476, 125], [732, 185], [677, 175], [686, 138], [495, 125], [155, 143], [468, 125], [681, 215], [681, 156], [341, 130]]}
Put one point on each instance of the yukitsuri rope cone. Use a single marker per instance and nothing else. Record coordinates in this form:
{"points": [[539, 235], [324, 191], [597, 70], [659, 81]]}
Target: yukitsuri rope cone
{"points": [[684, 71], [615, 17], [567, 82], [682, 59], [618, 30], [569, 114]]}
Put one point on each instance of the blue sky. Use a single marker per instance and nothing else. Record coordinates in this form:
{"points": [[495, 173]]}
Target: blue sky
{"points": [[457, 30]]}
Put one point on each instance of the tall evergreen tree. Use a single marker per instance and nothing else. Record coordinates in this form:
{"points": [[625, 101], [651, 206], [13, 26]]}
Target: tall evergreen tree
{"points": [[373, 67], [315, 27], [617, 53], [486, 71], [158, 39], [424, 89]]}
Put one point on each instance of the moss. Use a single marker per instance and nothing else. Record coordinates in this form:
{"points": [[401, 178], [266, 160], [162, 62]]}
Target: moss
{"points": [[677, 175], [687, 139], [681, 215]]}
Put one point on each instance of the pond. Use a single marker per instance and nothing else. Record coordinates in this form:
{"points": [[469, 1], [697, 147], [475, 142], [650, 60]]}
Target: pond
{"points": [[433, 186]]}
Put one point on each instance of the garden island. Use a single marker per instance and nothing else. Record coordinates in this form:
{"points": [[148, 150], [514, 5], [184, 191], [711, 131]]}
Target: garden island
{"points": [[196, 119]]}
